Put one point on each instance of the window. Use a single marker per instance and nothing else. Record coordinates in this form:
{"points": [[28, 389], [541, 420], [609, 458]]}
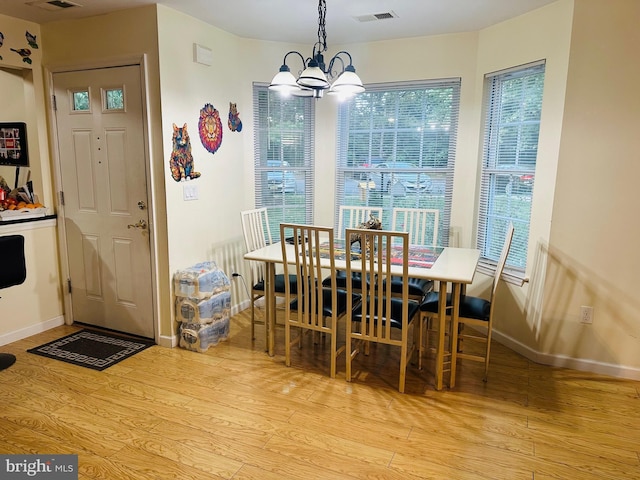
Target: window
{"points": [[513, 103], [284, 149], [80, 101], [113, 99], [396, 148]]}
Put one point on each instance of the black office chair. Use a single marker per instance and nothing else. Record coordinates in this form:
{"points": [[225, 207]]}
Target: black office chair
{"points": [[13, 271]]}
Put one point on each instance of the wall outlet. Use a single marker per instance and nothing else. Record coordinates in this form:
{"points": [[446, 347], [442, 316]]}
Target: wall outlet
{"points": [[586, 314]]}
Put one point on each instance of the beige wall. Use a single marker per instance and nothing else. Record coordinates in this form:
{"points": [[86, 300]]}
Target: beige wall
{"points": [[543, 34], [36, 304], [22, 94], [592, 255], [571, 262], [207, 228], [114, 38]]}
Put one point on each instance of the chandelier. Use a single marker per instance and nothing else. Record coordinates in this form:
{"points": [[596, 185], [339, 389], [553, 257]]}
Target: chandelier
{"points": [[315, 77]]}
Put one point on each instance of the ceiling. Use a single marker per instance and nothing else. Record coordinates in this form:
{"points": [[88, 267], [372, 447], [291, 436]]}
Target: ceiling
{"points": [[296, 21]]}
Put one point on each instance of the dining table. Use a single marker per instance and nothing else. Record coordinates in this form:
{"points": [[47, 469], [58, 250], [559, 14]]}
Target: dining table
{"points": [[452, 268]]}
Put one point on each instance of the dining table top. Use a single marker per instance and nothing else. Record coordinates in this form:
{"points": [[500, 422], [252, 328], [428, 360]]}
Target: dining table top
{"points": [[448, 264]]}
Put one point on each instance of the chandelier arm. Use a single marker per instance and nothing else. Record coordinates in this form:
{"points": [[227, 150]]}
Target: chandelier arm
{"points": [[347, 54], [330, 71], [304, 62], [338, 56]]}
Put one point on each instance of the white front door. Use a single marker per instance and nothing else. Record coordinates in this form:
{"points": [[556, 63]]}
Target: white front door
{"points": [[102, 161]]}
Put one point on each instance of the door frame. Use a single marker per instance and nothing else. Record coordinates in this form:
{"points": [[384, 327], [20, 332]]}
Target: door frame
{"points": [[141, 62]]}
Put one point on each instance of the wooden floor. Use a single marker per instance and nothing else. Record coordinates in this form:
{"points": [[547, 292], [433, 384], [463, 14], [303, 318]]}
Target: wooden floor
{"points": [[233, 412]]}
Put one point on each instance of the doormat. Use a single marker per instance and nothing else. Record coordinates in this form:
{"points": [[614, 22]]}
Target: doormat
{"points": [[92, 349]]}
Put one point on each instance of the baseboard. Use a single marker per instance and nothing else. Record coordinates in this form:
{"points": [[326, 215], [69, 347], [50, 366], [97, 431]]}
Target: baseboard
{"points": [[564, 361], [16, 335], [168, 341], [172, 341], [237, 308]]}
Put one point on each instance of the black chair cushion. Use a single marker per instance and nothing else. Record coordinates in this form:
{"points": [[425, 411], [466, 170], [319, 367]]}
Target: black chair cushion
{"points": [[326, 302], [279, 284], [418, 287], [396, 311], [13, 269], [470, 307], [341, 280]]}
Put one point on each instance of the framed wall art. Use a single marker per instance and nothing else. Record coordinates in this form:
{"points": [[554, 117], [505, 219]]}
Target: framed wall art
{"points": [[13, 144]]}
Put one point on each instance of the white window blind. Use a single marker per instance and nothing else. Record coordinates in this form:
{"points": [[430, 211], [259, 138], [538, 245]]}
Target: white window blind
{"points": [[396, 148], [283, 156], [513, 104]]}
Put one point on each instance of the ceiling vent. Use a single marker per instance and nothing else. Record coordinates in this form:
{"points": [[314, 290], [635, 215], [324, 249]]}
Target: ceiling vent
{"points": [[376, 16], [53, 5]]}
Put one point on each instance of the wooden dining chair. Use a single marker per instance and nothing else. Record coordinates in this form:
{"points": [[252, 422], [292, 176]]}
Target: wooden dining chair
{"points": [[352, 217], [473, 311], [257, 234], [380, 317], [422, 226], [315, 308]]}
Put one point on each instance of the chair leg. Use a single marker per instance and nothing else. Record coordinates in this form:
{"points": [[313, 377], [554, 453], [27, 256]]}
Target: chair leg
{"points": [[421, 325], [486, 356], [287, 343], [334, 353], [253, 318], [403, 366], [454, 353], [349, 354]]}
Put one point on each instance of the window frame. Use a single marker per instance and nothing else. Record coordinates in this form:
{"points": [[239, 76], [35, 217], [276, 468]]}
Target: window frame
{"points": [[508, 165], [355, 174], [272, 162]]}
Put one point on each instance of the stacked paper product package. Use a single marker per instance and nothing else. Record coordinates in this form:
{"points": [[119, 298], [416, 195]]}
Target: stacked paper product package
{"points": [[203, 306]]}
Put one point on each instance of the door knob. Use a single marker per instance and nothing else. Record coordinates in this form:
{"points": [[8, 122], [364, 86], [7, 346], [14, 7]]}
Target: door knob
{"points": [[142, 205], [141, 224]]}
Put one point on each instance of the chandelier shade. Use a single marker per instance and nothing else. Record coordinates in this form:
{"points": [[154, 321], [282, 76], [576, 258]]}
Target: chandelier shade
{"points": [[284, 81], [347, 83], [315, 76]]}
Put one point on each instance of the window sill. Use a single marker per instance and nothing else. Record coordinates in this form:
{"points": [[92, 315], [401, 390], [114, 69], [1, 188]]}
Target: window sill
{"points": [[509, 275]]}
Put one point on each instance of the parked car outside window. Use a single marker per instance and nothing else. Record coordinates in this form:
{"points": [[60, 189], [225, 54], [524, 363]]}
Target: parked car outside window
{"points": [[280, 181], [397, 178]]}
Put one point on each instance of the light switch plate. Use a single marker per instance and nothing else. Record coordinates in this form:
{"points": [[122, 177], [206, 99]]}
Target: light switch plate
{"points": [[189, 191]]}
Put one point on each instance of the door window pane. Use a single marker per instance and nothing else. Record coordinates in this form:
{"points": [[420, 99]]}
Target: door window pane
{"points": [[80, 101], [114, 99]]}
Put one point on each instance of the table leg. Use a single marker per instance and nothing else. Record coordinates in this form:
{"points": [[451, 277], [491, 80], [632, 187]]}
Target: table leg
{"points": [[442, 321], [270, 305], [455, 311]]}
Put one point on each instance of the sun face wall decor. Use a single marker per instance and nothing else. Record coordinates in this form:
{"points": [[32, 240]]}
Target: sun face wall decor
{"points": [[210, 128]]}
